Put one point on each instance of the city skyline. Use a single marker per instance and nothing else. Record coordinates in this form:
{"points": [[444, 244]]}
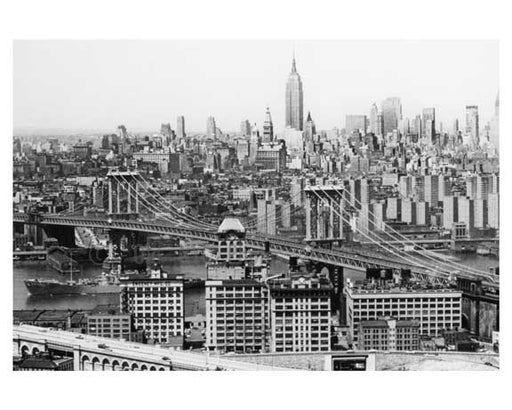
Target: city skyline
{"points": [[333, 86]]}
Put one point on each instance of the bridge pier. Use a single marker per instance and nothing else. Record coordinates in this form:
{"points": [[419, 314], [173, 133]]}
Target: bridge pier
{"points": [[123, 195]]}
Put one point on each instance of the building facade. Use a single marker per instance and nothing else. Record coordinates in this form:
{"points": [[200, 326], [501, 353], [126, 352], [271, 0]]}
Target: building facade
{"points": [[155, 300], [294, 103], [236, 316], [389, 334], [300, 309], [435, 309]]}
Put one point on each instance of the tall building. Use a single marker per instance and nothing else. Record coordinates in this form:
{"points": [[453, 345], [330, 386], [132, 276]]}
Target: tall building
{"points": [[374, 113], [236, 316], [445, 187], [245, 128], [355, 123], [392, 114], [450, 211], [455, 130], [431, 187], [155, 300], [180, 127], [467, 212], [394, 209], [294, 107], [472, 124], [429, 125], [211, 128], [418, 130], [495, 124], [268, 128], [493, 204], [300, 309], [309, 131]]}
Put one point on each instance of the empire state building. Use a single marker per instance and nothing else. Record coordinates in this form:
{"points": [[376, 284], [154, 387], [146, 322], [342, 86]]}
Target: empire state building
{"points": [[294, 100]]}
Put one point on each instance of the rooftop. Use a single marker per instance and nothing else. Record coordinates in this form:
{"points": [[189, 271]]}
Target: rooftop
{"points": [[230, 224], [392, 287]]}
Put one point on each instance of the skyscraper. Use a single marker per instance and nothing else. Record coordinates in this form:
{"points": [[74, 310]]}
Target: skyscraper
{"points": [[472, 123], [294, 100], [374, 113], [495, 124], [392, 113], [180, 127], [211, 128], [245, 128], [429, 124], [268, 128], [355, 123]]}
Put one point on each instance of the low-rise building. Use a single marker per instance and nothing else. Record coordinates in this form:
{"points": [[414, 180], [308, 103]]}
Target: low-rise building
{"points": [[389, 334]]}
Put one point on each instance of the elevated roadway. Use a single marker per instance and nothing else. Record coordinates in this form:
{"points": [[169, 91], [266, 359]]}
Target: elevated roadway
{"points": [[100, 354]]}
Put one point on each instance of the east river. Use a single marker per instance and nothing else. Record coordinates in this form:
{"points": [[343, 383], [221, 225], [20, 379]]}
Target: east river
{"points": [[189, 266]]}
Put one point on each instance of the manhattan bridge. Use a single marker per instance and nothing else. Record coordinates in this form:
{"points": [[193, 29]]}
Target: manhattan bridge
{"points": [[130, 196]]}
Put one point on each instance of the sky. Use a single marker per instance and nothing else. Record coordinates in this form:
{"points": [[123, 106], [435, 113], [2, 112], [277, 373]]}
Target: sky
{"points": [[100, 84]]}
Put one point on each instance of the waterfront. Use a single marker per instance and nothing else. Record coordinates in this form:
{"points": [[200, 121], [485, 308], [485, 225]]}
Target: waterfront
{"points": [[189, 266]]}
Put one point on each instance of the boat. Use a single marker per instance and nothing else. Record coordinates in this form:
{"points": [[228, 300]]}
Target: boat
{"points": [[106, 284]]}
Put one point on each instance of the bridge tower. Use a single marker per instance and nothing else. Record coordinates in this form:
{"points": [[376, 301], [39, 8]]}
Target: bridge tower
{"points": [[123, 194], [324, 205]]}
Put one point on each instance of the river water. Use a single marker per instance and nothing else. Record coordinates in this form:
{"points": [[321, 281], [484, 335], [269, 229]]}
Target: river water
{"points": [[189, 266]]}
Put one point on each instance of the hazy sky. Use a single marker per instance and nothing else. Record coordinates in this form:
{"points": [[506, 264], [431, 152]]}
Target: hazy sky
{"points": [[101, 84]]}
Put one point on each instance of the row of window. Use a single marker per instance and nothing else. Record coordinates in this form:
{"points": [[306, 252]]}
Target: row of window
{"points": [[408, 299]]}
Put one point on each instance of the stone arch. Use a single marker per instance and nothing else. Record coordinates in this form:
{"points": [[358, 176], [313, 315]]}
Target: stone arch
{"points": [[135, 366], [95, 363], [86, 362], [35, 350], [152, 369], [161, 369], [143, 367], [24, 350], [105, 365], [115, 365], [125, 366]]}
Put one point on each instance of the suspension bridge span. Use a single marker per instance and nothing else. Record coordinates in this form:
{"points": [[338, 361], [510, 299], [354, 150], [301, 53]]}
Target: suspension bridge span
{"points": [[348, 258]]}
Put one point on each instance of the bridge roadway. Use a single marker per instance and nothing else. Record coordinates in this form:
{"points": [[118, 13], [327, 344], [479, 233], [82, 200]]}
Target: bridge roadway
{"points": [[88, 355], [358, 260], [422, 241]]}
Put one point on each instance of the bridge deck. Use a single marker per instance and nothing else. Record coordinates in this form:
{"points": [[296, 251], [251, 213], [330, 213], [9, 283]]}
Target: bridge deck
{"points": [[360, 259]]}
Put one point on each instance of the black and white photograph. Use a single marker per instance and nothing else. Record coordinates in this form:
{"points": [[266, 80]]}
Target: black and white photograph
{"points": [[256, 204]]}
